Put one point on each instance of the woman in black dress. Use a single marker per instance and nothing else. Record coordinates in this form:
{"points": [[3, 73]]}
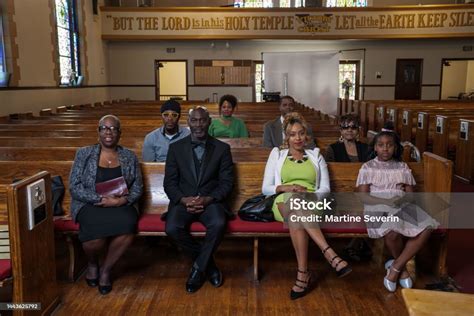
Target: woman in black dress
{"points": [[350, 149], [107, 220]]}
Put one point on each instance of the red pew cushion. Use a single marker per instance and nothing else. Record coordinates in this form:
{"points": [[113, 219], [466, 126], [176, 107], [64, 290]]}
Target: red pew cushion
{"points": [[5, 269], [65, 225], [154, 223]]}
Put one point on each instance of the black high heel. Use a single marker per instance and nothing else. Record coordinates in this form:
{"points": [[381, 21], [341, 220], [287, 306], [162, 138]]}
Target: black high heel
{"points": [[93, 282], [340, 273], [295, 295], [105, 289]]}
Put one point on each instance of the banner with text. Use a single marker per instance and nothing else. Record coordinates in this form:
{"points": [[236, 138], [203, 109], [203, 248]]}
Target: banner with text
{"points": [[230, 23]]}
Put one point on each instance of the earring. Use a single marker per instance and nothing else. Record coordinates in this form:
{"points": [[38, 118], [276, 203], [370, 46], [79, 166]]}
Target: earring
{"points": [[341, 140]]}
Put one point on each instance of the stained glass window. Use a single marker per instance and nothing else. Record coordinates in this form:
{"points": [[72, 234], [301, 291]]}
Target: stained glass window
{"points": [[259, 86], [253, 3], [267, 3], [346, 3], [68, 41], [2, 48], [299, 3], [239, 3], [347, 80]]}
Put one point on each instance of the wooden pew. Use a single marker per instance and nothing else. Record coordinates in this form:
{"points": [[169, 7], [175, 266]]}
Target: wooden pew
{"points": [[75, 129], [426, 125], [424, 302], [446, 134], [433, 175], [376, 112], [465, 151], [68, 153], [129, 142], [63, 149]]}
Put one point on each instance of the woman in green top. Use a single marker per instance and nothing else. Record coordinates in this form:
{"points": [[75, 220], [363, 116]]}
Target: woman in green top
{"points": [[293, 171], [227, 126]]}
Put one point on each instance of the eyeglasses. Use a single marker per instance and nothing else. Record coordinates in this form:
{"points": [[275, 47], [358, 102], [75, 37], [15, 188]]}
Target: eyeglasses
{"points": [[197, 107], [355, 127], [112, 129], [169, 113]]}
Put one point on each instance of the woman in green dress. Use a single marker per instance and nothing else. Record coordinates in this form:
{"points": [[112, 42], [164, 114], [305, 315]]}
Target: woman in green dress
{"points": [[227, 126], [294, 171]]}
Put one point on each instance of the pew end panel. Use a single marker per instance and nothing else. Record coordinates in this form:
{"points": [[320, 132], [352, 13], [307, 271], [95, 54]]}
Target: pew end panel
{"points": [[465, 151], [33, 264], [438, 173]]}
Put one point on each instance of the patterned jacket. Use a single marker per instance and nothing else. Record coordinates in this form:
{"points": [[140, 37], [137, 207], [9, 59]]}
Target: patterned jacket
{"points": [[84, 171]]}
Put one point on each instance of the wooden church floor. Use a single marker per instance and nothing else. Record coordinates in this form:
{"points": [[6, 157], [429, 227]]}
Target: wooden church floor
{"points": [[149, 280]]}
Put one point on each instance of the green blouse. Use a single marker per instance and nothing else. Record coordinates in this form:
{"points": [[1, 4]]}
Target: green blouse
{"points": [[294, 173], [236, 129]]}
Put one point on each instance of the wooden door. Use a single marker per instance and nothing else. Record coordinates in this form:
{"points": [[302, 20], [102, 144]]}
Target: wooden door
{"points": [[408, 79]]}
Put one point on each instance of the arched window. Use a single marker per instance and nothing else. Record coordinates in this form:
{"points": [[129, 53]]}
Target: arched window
{"points": [[346, 3], [68, 41]]}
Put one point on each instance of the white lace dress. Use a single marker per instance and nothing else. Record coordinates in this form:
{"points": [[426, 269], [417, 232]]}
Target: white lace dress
{"points": [[386, 180]]}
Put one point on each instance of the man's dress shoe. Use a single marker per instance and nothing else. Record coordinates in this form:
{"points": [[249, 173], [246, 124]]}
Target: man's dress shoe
{"points": [[195, 281], [215, 276]]}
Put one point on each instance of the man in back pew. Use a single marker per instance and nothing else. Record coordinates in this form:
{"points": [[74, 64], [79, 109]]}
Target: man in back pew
{"points": [[157, 142], [273, 134], [199, 176]]}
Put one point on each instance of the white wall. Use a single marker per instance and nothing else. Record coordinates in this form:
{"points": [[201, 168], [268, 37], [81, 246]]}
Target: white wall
{"points": [[18, 101], [201, 93], [454, 79], [37, 63], [133, 63], [136, 93], [96, 52], [34, 43], [470, 77]]}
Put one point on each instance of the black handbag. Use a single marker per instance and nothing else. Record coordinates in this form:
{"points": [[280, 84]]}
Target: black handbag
{"points": [[258, 209], [57, 193]]}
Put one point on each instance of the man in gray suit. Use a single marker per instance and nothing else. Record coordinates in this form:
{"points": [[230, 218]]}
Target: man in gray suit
{"points": [[273, 134]]}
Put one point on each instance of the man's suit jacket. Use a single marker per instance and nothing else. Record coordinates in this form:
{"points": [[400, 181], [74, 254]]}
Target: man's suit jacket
{"points": [[273, 134], [216, 176]]}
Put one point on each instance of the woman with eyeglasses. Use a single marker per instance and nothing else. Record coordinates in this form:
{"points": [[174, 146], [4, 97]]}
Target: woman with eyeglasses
{"points": [[227, 126], [105, 185], [349, 149], [296, 172]]}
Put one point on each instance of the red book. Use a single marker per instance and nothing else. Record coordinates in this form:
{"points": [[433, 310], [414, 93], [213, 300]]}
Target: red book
{"points": [[114, 187]]}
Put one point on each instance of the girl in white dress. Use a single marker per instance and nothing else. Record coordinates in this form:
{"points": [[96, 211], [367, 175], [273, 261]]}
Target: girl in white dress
{"points": [[385, 180]]}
